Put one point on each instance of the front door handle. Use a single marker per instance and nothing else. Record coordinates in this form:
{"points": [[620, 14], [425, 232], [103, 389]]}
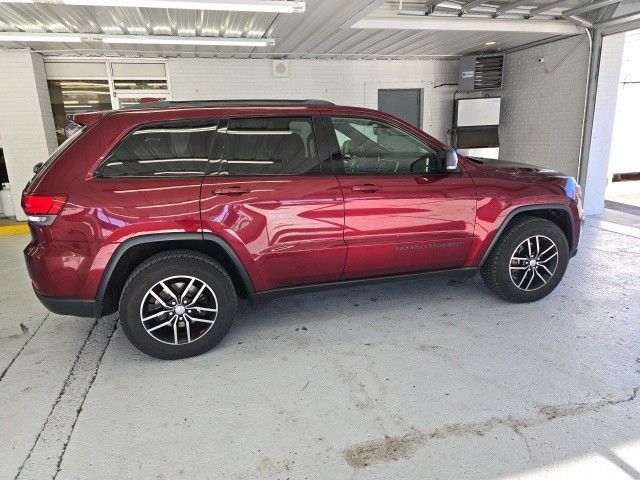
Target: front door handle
{"points": [[235, 190], [367, 187]]}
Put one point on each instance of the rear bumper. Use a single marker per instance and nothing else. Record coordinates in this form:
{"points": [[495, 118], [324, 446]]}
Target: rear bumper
{"points": [[68, 306]]}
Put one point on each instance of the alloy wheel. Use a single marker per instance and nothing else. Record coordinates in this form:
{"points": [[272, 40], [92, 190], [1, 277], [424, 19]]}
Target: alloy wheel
{"points": [[533, 263], [179, 310]]}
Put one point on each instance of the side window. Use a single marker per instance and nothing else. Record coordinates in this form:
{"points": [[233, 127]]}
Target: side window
{"points": [[171, 149], [268, 146], [370, 146]]}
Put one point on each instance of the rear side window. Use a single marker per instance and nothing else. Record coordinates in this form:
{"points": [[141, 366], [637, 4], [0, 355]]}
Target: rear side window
{"points": [[170, 149], [267, 146]]}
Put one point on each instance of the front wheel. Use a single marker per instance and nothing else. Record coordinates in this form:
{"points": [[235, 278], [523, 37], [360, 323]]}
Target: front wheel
{"points": [[528, 261], [177, 304]]}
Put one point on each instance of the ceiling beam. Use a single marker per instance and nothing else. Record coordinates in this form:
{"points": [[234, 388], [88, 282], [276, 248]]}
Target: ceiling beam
{"points": [[430, 4], [589, 7], [616, 21], [548, 6], [455, 23], [511, 5], [583, 22], [372, 6], [472, 4]]}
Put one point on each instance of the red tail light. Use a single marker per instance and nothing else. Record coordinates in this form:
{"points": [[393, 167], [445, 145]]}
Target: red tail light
{"points": [[43, 204]]}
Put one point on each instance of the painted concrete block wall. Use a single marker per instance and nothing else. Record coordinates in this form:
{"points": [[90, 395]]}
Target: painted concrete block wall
{"points": [[603, 123], [542, 104], [26, 122], [341, 81]]}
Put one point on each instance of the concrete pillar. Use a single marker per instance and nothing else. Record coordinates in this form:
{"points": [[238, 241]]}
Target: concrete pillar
{"points": [[26, 122], [597, 167]]}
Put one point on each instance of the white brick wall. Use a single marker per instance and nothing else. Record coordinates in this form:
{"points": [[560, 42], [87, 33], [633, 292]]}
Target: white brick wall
{"points": [[26, 122], [344, 82], [542, 104]]}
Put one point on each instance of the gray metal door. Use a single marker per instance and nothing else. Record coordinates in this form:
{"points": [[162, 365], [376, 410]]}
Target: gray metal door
{"points": [[404, 103]]}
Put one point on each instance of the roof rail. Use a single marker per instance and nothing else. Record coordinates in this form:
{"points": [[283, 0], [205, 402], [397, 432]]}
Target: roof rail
{"points": [[223, 103]]}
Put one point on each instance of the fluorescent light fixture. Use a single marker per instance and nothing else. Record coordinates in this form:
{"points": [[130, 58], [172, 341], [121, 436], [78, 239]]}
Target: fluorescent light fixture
{"points": [[135, 39], [271, 6], [488, 44], [170, 40], [39, 37]]}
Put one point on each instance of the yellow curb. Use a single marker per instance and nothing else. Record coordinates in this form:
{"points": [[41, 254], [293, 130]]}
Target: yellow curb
{"points": [[18, 229]]}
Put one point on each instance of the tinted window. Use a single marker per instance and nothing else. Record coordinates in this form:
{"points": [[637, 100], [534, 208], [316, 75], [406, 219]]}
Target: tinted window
{"points": [[171, 149], [268, 146], [370, 146]]}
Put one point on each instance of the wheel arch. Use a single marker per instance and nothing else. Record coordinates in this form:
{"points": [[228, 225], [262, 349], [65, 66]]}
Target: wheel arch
{"points": [[559, 213], [135, 250]]}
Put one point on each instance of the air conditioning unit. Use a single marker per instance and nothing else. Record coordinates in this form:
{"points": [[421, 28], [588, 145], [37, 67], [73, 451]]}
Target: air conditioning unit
{"points": [[480, 73], [280, 68]]}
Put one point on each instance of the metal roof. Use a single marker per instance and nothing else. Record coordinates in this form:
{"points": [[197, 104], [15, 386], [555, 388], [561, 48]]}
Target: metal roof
{"points": [[322, 31]]}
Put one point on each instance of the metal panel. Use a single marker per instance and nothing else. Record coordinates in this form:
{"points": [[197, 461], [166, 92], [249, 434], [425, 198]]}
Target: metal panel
{"points": [[404, 103], [323, 31]]}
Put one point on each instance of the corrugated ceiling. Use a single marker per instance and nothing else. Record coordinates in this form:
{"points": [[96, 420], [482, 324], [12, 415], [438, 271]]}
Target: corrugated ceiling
{"points": [[322, 31]]}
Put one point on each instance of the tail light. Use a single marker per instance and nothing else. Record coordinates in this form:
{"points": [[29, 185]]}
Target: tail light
{"points": [[42, 209]]}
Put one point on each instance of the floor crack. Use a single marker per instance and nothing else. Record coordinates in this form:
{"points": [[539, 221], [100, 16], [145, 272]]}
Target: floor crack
{"points": [[45, 456], [389, 448], [4, 372]]}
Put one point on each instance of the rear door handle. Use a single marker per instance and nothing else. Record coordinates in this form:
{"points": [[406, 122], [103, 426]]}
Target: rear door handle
{"points": [[235, 190], [367, 187]]}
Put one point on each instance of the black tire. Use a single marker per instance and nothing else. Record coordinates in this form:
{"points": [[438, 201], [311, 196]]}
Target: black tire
{"points": [[496, 271], [168, 265]]}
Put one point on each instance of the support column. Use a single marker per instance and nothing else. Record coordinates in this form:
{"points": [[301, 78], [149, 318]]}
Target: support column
{"points": [[26, 122], [603, 96]]}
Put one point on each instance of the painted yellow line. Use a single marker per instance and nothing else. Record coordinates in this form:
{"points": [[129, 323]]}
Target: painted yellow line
{"points": [[17, 229]]}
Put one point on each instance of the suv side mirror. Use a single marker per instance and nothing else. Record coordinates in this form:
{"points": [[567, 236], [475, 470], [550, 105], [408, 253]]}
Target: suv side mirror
{"points": [[451, 160]]}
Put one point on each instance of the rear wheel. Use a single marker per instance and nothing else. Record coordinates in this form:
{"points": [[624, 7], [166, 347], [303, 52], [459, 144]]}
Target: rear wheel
{"points": [[177, 304], [528, 261]]}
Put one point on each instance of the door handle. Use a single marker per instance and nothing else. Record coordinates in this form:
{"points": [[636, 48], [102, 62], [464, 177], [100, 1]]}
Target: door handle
{"points": [[367, 187], [235, 190]]}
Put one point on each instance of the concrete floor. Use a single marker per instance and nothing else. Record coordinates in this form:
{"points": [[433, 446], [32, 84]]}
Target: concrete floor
{"points": [[423, 379], [626, 192]]}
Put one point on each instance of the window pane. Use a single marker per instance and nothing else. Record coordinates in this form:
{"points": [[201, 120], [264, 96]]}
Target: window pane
{"points": [[269, 146], [140, 84], [76, 96], [369, 146], [177, 148]]}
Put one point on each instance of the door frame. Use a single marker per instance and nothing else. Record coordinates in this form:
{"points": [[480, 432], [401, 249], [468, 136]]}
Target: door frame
{"points": [[371, 97]]}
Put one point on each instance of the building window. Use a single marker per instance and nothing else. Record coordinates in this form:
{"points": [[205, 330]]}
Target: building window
{"points": [[76, 96], [78, 87]]}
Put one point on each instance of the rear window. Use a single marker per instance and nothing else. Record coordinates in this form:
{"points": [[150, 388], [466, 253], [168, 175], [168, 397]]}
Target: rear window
{"points": [[168, 149]]}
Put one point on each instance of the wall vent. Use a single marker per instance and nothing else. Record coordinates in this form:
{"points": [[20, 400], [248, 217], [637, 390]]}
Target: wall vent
{"points": [[480, 73], [280, 68]]}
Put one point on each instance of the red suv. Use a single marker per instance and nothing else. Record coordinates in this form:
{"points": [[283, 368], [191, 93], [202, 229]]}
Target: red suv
{"points": [[169, 211]]}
